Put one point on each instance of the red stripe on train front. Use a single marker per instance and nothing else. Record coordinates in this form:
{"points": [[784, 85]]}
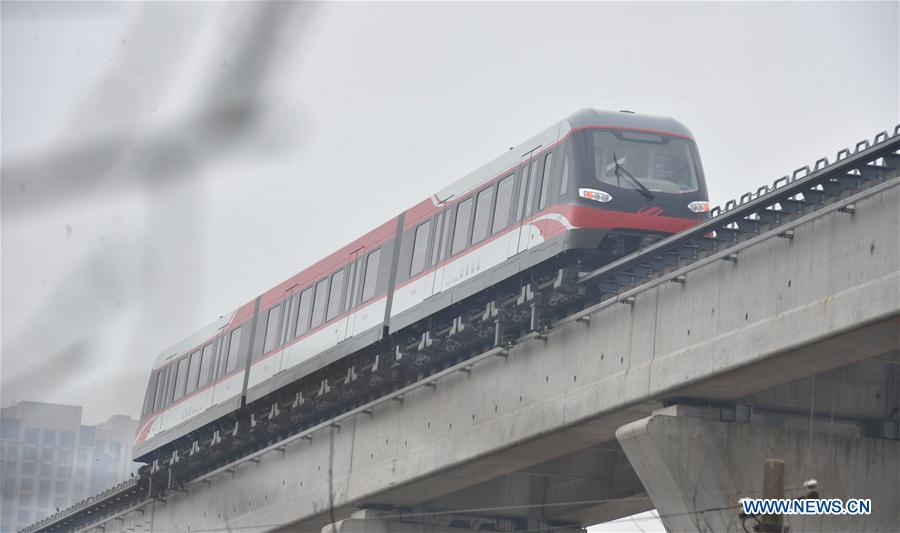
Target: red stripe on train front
{"points": [[649, 220], [144, 430]]}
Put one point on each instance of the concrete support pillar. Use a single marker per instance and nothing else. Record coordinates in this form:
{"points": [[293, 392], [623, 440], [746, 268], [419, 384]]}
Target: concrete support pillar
{"points": [[696, 468]]}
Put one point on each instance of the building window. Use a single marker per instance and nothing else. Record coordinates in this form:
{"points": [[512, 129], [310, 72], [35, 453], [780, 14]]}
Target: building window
{"points": [[334, 295], [305, 312], [28, 469], [371, 277], [483, 206], [318, 310], [545, 180], [66, 439], [504, 203], [31, 435], [46, 470], [10, 428], [49, 437], [420, 247], [29, 453], [461, 229]]}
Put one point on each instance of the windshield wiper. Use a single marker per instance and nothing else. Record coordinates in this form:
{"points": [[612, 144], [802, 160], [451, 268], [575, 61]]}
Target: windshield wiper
{"points": [[645, 192]]}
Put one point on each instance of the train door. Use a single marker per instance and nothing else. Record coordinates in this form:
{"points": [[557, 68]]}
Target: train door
{"points": [[350, 296], [441, 230], [519, 241]]}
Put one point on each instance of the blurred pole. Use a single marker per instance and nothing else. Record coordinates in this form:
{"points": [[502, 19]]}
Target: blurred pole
{"points": [[773, 488]]}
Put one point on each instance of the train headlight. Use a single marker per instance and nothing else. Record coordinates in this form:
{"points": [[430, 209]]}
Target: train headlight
{"points": [[594, 194], [699, 207]]}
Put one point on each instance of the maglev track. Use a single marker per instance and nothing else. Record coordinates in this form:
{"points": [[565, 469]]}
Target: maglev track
{"points": [[483, 326]]}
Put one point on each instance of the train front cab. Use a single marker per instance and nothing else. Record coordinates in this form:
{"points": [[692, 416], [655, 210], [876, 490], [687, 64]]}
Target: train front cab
{"points": [[611, 215]]}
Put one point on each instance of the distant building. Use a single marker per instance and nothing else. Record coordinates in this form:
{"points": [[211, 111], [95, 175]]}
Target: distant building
{"points": [[50, 460]]}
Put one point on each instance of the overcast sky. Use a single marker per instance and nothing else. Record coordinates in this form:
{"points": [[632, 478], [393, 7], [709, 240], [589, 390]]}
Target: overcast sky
{"points": [[164, 163]]}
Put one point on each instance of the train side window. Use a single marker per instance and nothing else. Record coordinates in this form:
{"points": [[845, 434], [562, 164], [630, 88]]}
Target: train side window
{"points": [[193, 373], [318, 310], [523, 186], [351, 286], [461, 227], [234, 344], [272, 328], [170, 384], [151, 394], [483, 206], [420, 248], [445, 240], [533, 179], [206, 361], [371, 277], [305, 311], [290, 319], [504, 203], [181, 378], [334, 295], [545, 181], [564, 181], [435, 250], [160, 389]]}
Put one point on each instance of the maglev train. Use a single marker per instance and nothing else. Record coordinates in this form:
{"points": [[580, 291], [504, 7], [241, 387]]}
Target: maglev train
{"points": [[597, 183]]}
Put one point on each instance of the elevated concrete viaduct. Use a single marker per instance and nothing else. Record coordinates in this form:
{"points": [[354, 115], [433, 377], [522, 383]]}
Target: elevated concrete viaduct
{"points": [[670, 397]]}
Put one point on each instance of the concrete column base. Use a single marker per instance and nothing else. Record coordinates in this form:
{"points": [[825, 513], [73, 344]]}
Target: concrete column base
{"points": [[696, 468]]}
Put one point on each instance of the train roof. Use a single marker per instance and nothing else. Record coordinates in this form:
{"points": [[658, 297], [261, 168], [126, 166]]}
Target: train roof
{"points": [[588, 118]]}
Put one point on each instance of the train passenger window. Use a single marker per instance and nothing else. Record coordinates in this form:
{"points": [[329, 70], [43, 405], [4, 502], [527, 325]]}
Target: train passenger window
{"points": [[564, 181], [151, 394], [170, 384], [334, 296], [206, 364], [193, 373], [318, 309], [533, 179], [351, 287], [160, 390], [290, 319], [371, 277], [305, 311], [420, 247], [181, 377], [483, 206], [234, 344], [461, 228], [445, 240], [523, 186], [435, 250], [271, 328], [545, 181], [504, 203]]}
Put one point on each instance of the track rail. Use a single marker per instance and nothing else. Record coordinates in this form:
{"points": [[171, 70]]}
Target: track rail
{"points": [[769, 212]]}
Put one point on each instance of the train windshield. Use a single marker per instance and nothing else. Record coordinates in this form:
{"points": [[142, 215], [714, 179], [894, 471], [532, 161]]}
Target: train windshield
{"points": [[661, 163]]}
